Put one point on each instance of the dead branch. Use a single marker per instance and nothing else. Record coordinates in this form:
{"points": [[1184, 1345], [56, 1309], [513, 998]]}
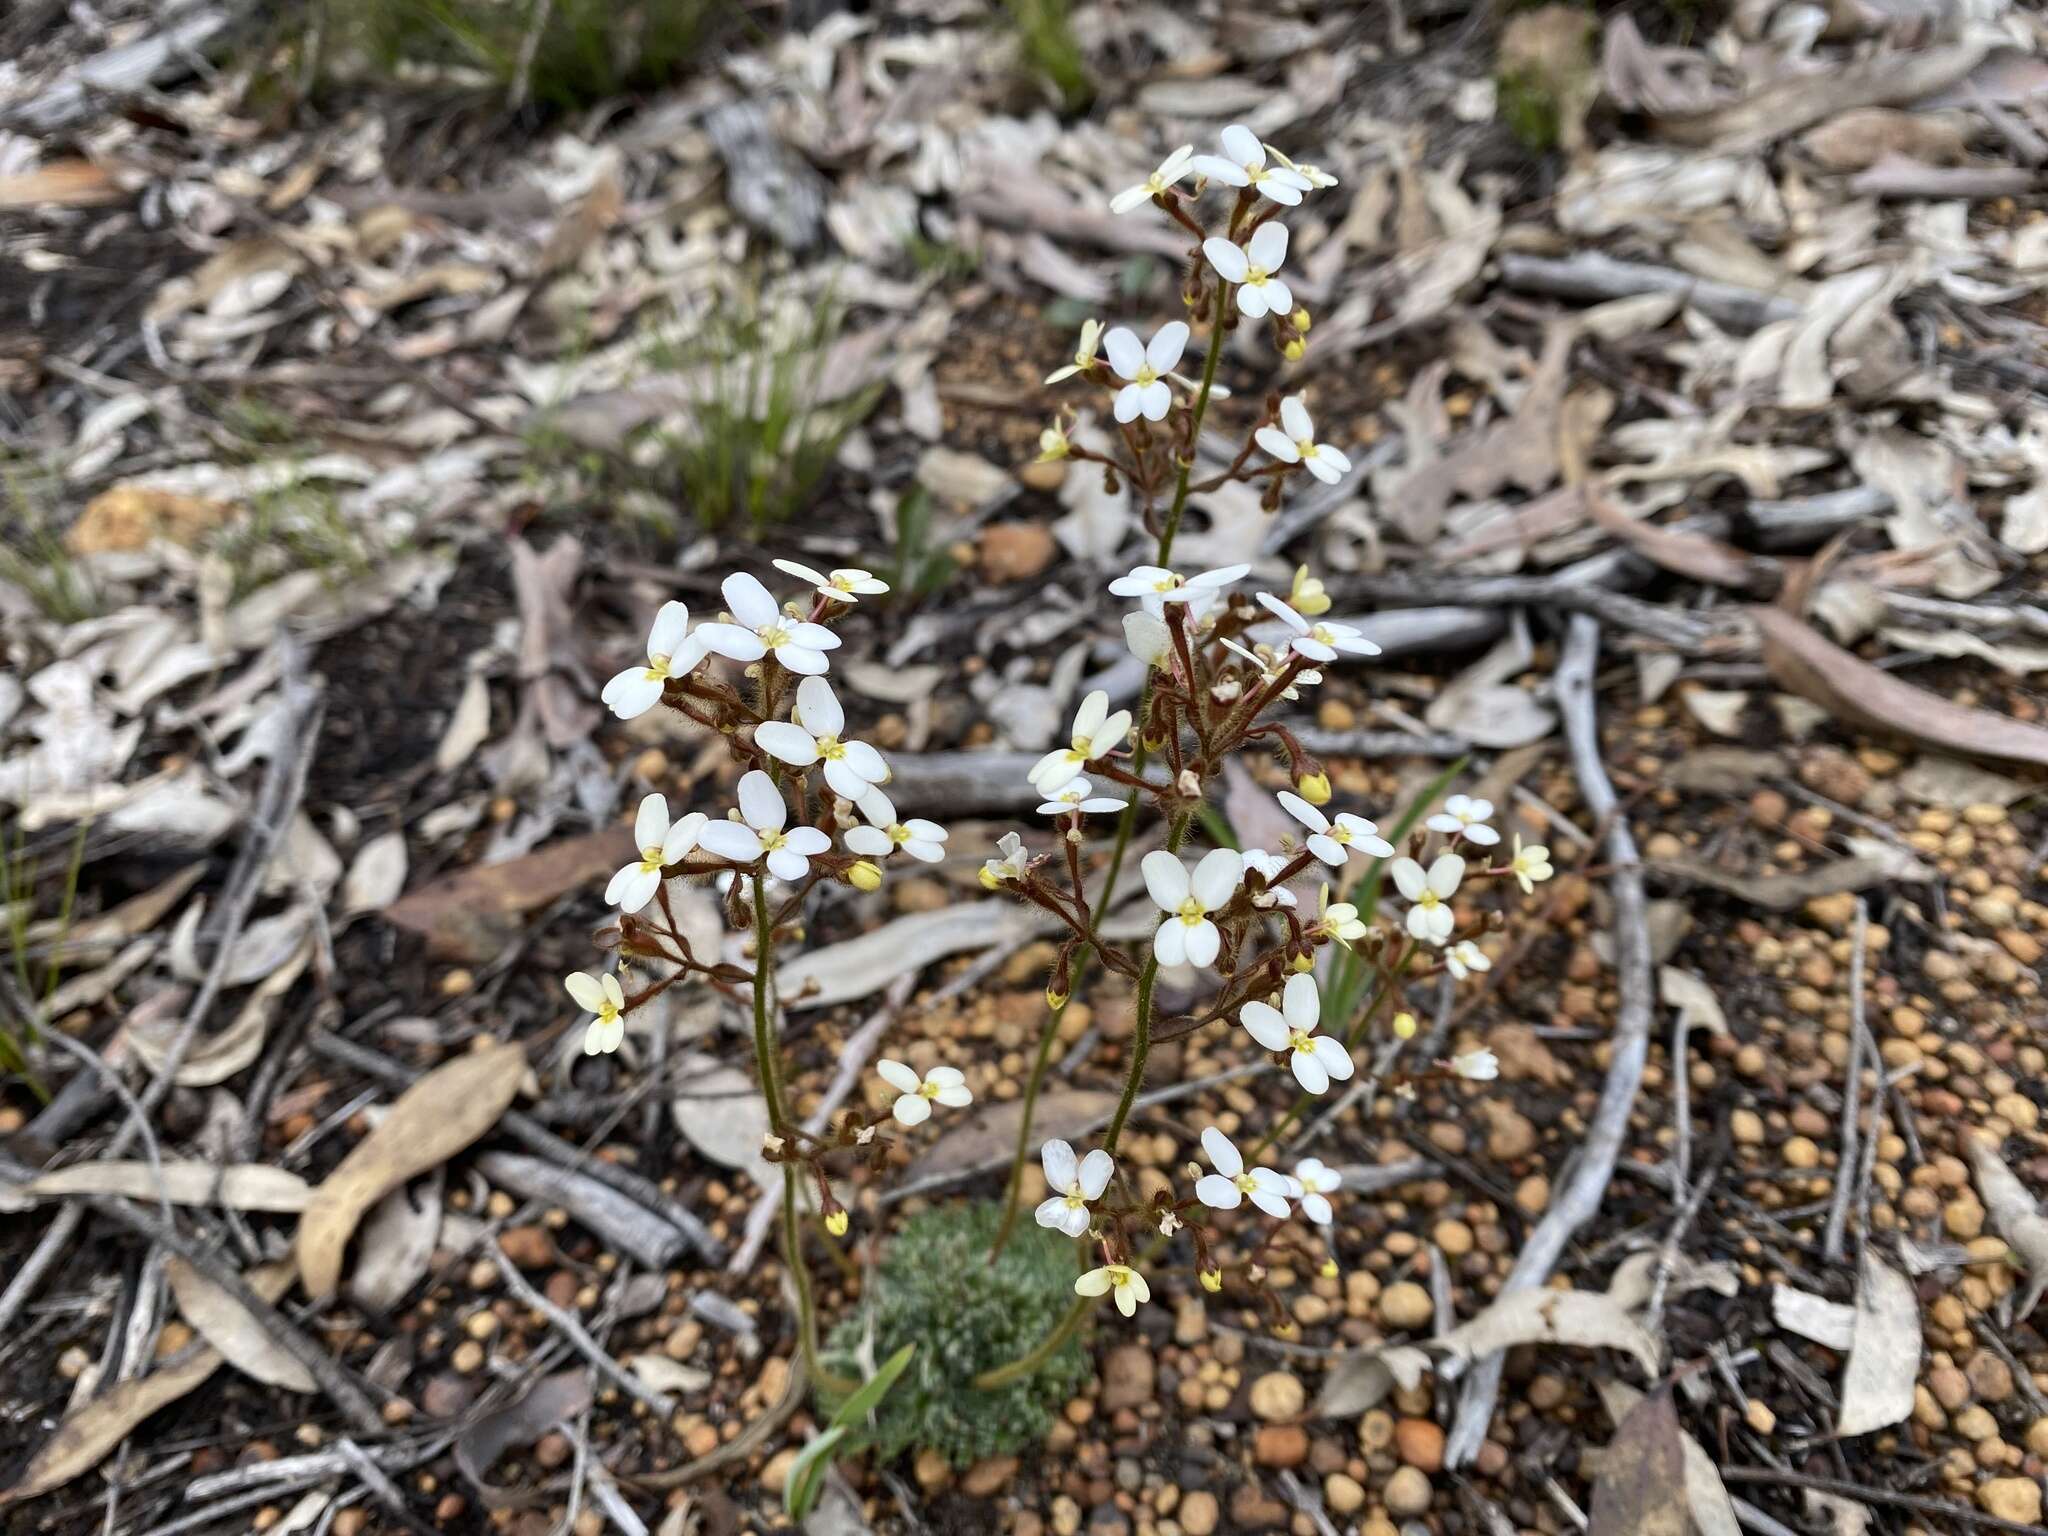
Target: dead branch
{"points": [[622, 1223]]}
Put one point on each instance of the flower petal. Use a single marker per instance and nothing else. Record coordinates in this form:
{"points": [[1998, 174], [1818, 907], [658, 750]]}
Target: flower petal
{"points": [[1242, 145], [787, 743], [1278, 444], [912, 1109], [788, 864], [730, 840], [631, 693], [1166, 878], [1446, 873], [1154, 400], [1170, 943], [1202, 943], [1268, 246], [897, 1075], [747, 600], [1164, 350], [817, 707], [806, 841], [671, 625], [584, 989], [1126, 352], [1283, 613], [1217, 169], [731, 641], [1229, 260], [1223, 1155], [1218, 1193], [1062, 1168], [1295, 419], [1054, 1213], [872, 842], [761, 802], [1252, 300], [1096, 1282], [1096, 1169], [1262, 1021], [1332, 1057], [1301, 1002], [1409, 879], [635, 886], [1309, 1072], [1216, 877]]}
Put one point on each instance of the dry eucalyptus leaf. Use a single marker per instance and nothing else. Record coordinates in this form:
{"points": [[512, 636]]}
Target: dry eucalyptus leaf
{"points": [[988, 1137], [432, 1121], [1706, 1496], [2014, 1216], [722, 1114], [1951, 783], [1364, 1379], [377, 877], [1543, 1316], [1884, 1358], [1635, 1279], [551, 1400], [469, 727], [1813, 1317], [397, 1246], [238, 1186], [225, 1323], [105, 1421], [216, 1058], [1639, 1486], [1720, 710], [859, 967], [1692, 997]]}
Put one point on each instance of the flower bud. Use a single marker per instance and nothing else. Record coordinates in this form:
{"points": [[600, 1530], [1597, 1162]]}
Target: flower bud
{"points": [[1305, 962], [989, 879], [1295, 350], [1152, 740], [1329, 1269], [1212, 1279], [1307, 596], [1055, 999], [1404, 1026], [1300, 319], [1314, 788], [836, 1222], [865, 875], [1053, 444]]}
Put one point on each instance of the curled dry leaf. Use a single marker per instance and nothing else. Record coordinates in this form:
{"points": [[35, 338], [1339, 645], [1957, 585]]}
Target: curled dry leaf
{"points": [[1639, 1486], [105, 1421], [1543, 1316], [225, 1323], [433, 1120], [216, 1058], [1365, 1378], [1713, 1512], [238, 1186], [1884, 1359], [2014, 1216], [1635, 1279], [552, 1400], [1851, 689], [1813, 1317], [1692, 997]]}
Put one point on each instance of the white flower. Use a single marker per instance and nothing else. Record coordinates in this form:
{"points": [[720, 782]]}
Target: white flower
{"points": [[1251, 266], [660, 844], [812, 733], [762, 627], [1318, 1182], [1097, 733], [1171, 170], [1074, 1186], [1243, 164], [1228, 1187], [1146, 365], [1187, 935], [1079, 795], [923, 840], [845, 584], [1009, 866], [1338, 920], [1271, 669], [1268, 866], [760, 835], [1146, 636], [1480, 1066], [1315, 176], [1334, 841], [1461, 813], [1318, 641], [1294, 442], [671, 652], [1126, 1283], [1084, 354], [915, 1094], [1430, 917], [1155, 586], [603, 997], [1530, 864], [1315, 1059], [1465, 957]]}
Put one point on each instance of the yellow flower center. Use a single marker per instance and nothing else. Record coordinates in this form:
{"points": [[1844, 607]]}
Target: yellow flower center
{"points": [[1191, 913], [657, 669], [1245, 1182], [898, 834], [1307, 446], [1119, 1276], [1340, 835], [840, 583], [829, 747], [607, 1012], [1075, 1199], [770, 841], [928, 1090], [1167, 583], [773, 635], [650, 858], [1428, 899], [1300, 1041]]}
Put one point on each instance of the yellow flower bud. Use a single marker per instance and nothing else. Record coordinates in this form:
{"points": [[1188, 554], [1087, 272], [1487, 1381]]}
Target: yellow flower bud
{"points": [[1329, 1269], [1304, 963], [1212, 1279], [1055, 1000], [1294, 350], [989, 882], [1300, 319], [835, 1222], [1152, 743], [1404, 1026], [1053, 444], [1315, 789], [865, 876], [1307, 596]]}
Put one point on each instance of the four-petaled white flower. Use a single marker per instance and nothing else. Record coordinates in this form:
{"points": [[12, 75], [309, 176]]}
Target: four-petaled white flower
{"points": [[1146, 365], [1243, 164], [1084, 354], [660, 843], [1268, 867], [1314, 1059], [762, 627], [1146, 636], [1479, 1066], [923, 840], [1074, 1186], [1155, 586], [1008, 866], [1320, 641], [1097, 733], [843, 584], [1170, 171], [1530, 865], [1294, 442], [1271, 669], [1251, 267], [916, 1095], [1230, 1185], [1429, 918], [1461, 813], [813, 733], [1314, 175], [1187, 936], [1465, 957], [1318, 1182], [1119, 1280], [671, 652], [1338, 920], [760, 833], [1334, 840], [1079, 795], [602, 996]]}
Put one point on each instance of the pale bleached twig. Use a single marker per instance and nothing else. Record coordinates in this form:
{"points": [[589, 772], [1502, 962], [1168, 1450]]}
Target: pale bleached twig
{"points": [[1852, 1094], [579, 1337]]}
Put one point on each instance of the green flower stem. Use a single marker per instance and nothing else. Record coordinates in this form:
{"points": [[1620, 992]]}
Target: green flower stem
{"points": [[1180, 489], [767, 1062], [1024, 1365]]}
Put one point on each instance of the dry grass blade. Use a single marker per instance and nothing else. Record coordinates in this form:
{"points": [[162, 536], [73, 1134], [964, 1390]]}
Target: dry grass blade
{"points": [[433, 1120], [1851, 689]]}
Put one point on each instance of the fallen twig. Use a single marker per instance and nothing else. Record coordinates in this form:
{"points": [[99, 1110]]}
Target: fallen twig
{"points": [[579, 1338], [620, 1222], [1852, 1094]]}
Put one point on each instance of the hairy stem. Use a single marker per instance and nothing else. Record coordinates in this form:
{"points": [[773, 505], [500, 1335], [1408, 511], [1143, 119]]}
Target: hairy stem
{"points": [[1201, 409]]}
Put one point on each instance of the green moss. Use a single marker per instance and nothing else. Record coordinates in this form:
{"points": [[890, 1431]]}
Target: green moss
{"points": [[937, 1290]]}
